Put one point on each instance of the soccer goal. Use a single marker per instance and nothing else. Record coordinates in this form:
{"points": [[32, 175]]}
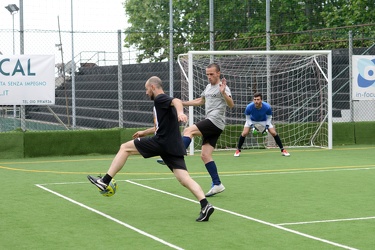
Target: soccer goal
{"points": [[297, 84]]}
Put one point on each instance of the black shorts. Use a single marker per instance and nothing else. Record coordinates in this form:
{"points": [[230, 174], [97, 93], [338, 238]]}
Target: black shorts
{"points": [[210, 133], [149, 147]]}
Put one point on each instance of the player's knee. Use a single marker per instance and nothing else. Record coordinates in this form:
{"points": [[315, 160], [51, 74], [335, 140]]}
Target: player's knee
{"points": [[191, 131], [272, 131], [245, 132], [127, 146], [187, 132], [205, 157], [182, 179]]}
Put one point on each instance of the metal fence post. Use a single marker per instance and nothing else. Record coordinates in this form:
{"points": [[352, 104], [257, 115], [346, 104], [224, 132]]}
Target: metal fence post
{"points": [[119, 80], [350, 53]]}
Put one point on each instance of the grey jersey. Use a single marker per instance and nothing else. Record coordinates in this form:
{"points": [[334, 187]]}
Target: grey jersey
{"points": [[215, 104]]}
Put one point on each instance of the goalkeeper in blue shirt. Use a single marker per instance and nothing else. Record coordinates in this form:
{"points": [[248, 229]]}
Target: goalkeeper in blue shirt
{"points": [[259, 114]]}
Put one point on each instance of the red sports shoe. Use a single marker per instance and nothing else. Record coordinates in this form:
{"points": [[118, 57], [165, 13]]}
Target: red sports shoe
{"points": [[238, 152], [285, 153]]}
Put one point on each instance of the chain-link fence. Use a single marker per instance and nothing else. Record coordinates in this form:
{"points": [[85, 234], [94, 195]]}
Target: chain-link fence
{"points": [[100, 94]]}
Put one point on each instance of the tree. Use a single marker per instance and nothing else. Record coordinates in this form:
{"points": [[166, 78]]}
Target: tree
{"points": [[149, 25], [338, 13], [239, 24], [149, 28]]}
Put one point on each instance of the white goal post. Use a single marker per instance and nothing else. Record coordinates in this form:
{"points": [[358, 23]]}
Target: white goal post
{"points": [[297, 84]]}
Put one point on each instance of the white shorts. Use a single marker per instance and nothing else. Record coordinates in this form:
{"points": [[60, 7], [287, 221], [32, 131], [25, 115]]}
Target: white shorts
{"points": [[259, 125]]}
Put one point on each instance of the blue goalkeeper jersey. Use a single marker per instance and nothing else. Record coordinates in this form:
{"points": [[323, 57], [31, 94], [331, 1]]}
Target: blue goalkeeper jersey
{"points": [[258, 115]]}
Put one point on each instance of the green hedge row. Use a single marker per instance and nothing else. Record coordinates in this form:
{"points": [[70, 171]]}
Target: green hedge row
{"points": [[61, 143], [353, 133], [84, 142]]}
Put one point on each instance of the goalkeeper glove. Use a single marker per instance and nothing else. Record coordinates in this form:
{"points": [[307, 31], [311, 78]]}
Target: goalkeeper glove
{"points": [[254, 129], [265, 131]]}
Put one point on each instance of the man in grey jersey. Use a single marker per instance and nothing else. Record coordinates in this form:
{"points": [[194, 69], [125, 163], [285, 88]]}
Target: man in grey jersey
{"points": [[215, 97]]}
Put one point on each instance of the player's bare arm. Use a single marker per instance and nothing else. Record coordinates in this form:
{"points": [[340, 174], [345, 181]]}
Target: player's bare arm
{"points": [[228, 99], [177, 103], [143, 133], [196, 102]]}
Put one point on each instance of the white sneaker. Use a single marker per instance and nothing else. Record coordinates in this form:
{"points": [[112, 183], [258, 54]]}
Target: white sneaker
{"points": [[285, 153], [238, 152], [215, 189]]}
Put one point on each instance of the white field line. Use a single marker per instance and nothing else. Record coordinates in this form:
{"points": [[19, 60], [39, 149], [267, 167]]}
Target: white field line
{"points": [[261, 173], [249, 218], [224, 210], [111, 218], [229, 175], [325, 221], [300, 171]]}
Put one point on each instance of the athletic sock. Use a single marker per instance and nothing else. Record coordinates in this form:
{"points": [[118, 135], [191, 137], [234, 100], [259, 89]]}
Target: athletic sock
{"points": [[186, 140], [241, 140], [203, 202], [278, 142], [107, 179], [212, 170]]}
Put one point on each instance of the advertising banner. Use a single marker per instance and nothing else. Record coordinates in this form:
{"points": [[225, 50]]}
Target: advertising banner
{"points": [[363, 84], [27, 80]]}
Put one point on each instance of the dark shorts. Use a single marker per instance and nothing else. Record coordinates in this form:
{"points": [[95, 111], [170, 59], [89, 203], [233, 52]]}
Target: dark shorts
{"points": [[149, 147], [210, 133]]}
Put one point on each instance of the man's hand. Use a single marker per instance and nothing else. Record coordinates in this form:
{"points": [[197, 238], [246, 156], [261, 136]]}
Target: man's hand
{"points": [[182, 118], [144, 132], [223, 84], [138, 134], [228, 99]]}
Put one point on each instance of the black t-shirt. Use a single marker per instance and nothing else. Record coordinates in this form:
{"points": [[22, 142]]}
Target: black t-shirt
{"points": [[167, 133]]}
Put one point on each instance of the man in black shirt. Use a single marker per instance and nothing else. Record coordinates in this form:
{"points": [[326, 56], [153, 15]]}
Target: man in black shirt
{"points": [[166, 143]]}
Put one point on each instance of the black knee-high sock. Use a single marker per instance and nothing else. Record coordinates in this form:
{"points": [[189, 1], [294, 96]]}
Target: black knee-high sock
{"points": [[241, 140], [278, 142]]}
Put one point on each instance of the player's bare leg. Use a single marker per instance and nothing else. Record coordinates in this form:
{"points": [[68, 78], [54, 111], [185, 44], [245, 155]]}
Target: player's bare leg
{"points": [[126, 149], [192, 131], [206, 154], [185, 179], [246, 131], [118, 162], [272, 131]]}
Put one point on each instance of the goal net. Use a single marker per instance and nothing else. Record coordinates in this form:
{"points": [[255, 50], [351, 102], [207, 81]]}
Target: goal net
{"points": [[297, 84]]}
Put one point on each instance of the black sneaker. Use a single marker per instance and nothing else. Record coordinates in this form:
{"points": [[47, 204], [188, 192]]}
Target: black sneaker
{"points": [[97, 182], [206, 213]]}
